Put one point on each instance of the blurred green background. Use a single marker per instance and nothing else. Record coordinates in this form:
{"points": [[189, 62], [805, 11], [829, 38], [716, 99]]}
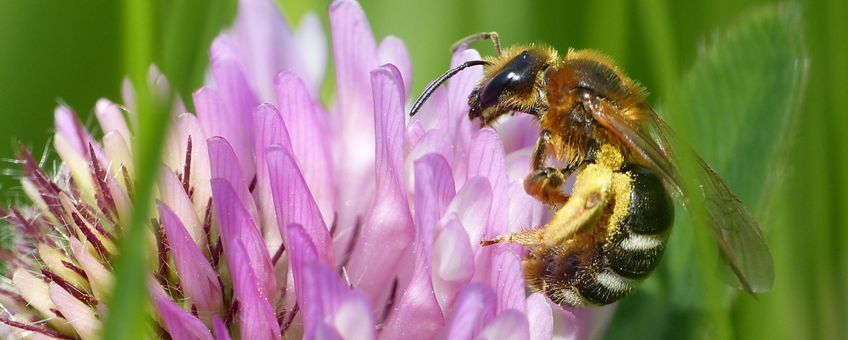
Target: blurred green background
{"points": [[72, 51]]}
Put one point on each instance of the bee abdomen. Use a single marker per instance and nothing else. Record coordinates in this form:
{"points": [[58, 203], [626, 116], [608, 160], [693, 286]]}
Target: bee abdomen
{"points": [[634, 249]]}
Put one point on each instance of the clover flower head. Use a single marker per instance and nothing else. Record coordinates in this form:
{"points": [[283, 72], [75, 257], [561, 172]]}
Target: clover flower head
{"points": [[278, 215]]}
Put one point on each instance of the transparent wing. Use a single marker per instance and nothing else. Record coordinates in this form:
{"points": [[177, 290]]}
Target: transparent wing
{"points": [[738, 235]]}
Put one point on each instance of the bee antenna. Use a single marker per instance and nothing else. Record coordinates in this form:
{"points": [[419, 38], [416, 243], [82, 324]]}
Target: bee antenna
{"points": [[441, 80]]}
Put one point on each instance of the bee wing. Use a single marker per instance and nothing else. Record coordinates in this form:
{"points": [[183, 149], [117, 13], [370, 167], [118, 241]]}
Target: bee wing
{"points": [[737, 233]]}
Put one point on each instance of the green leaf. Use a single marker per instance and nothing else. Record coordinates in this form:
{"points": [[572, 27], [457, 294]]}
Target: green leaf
{"points": [[736, 107]]}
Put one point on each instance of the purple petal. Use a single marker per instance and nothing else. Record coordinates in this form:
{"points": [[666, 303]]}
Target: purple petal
{"points": [[472, 205], [224, 164], [417, 312], [355, 55], [69, 127], [433, 141], [507, 277], [197, 277], [474, 307], [459, 87], [111, 118], [333, 304], [237, 225], [435, 114], [310, 139], [453, 262], [294, 203], [174, 196], [312, 45], [301, 251], [256, 314], [434, 190], [511, 324], [81, 317], [518, 132], [393, 51], [540, 317], [266, 45], [220, 329], [566, 325], [270, 130], [99, 277], [229, 79], [387, 230], [486, 158], [585, 323], [218, 120], [190, 127], [525, 212], [179, 323]]}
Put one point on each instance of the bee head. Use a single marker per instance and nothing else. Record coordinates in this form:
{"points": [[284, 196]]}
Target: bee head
{"points": [[512, 82]]}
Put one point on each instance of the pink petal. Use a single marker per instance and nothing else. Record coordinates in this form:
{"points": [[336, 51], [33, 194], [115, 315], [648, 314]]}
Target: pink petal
{"points": [[197, 277], [434, 114], [310, 140], [190, 127], [301, 251], [71, 129], [229, 79], [393, 51], [224, 164], [472, 205], [256, 314], [511, 324], [486, 158], [387, 230], [220, 329], [111, 118], [265, 42], [237, 225], [433, 141], [585, 323], [525, 212], [417, 312], [355, 55], [174, 196], [507, 277], [474, 307], [179, 323], [434, 190], [218, 120], [332, 303], [453, 262], [294, 203], [348, 318], [518, 132], [270, 130], [312, 45], [81, 317], [459, 87], [99, 277], [540, 317]]}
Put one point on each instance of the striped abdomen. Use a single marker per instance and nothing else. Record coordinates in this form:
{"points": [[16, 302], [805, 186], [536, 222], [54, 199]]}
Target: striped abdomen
{"points": [[623, 255]]}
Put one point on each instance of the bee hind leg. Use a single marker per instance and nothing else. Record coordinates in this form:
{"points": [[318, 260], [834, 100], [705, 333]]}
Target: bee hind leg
{"points": [[525, 238]]}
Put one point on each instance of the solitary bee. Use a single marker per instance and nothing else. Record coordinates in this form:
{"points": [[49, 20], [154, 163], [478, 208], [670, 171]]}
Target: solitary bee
{"points": [[610, 231]]}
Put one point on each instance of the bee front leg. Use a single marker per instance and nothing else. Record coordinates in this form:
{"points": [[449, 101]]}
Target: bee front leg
{"points": [[545, 183]]}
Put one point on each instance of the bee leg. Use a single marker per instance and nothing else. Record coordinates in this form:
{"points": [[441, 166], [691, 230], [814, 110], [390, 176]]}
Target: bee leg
{"points": [[545, 183], [525, 238]]}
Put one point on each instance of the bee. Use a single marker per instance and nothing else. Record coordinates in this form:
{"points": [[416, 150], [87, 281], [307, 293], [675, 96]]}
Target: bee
{"points": [[609, 232]]}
